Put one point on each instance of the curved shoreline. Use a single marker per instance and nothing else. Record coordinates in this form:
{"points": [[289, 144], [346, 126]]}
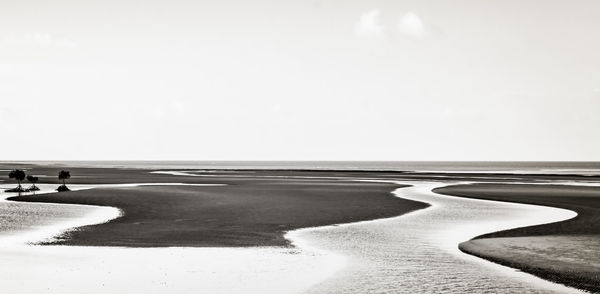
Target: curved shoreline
{"points": [[299, 237], [301, 269], [481, 250], [244, 213], [297, 240], [47, 232], [527, 249], [326, 262]]}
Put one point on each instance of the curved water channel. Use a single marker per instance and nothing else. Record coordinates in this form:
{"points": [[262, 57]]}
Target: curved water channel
{"points": [[418, 252], [411, 253]]}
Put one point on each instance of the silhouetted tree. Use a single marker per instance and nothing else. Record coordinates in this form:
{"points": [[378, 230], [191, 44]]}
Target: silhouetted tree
{"points": [[18, 175], [63, 175], [33, 180]]}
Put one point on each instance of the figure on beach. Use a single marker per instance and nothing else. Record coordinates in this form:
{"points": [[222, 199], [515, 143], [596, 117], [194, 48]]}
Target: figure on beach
{"points": [[63, 175], [18, 175]]}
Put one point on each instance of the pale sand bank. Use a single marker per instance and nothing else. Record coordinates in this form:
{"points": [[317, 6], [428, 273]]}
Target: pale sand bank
{"points": [[89, 269]]}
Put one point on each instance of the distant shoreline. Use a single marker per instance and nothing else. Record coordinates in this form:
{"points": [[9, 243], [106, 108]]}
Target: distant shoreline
{"points": [[112, 175], [583, 168]]}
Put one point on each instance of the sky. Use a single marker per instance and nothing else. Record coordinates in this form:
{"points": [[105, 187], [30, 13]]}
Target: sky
{"points": [[300, 80]]}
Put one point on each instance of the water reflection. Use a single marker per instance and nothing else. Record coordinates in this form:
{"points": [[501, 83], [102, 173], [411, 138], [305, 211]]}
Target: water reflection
{"points": [[417, 252]]}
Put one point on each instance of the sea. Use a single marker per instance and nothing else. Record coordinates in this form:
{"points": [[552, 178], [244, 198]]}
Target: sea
{"points": [[518, 167]]}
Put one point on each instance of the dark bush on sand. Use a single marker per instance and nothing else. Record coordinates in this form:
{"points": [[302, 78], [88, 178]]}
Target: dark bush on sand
{"points": [[33, 180], [62, 188]]}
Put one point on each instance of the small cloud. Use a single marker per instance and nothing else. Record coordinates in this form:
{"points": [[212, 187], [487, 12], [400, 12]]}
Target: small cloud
{"points": [[368, 25], [276, 108], [412, 25], [39, 40]]}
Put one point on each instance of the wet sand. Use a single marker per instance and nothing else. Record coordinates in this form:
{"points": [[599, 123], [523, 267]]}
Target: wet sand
{"points": [[382, 246], [564, 252], [257, 207], [244, 212], [417, 252], [93, 269], [304, 201]]}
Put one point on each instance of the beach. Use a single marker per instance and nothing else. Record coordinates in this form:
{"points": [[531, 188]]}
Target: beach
{"points": [[247, 212], [564, 252], [418, 253], [265, 211], [112, 269]]}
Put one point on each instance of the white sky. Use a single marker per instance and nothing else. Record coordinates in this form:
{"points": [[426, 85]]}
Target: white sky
{"points": [[300, 80]]}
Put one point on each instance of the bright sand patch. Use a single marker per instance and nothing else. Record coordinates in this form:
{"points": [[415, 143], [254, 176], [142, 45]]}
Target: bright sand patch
{"points": [[73, 269]]}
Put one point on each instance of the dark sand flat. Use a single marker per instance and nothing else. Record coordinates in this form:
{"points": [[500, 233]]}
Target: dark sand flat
{"points": [[564, 252], [257, 207], [248, 211]]}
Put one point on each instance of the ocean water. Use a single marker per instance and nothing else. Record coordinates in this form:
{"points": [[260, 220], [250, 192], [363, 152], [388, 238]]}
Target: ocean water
{"points": [[541, 167]]}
